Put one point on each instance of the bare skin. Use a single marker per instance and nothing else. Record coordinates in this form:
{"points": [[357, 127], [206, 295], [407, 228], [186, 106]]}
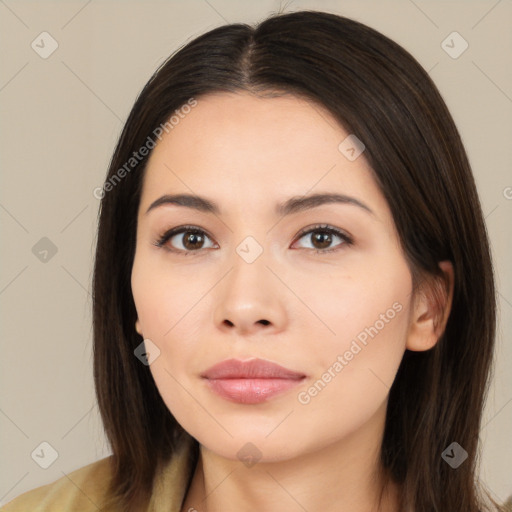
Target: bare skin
{"points": [[316, 450]]}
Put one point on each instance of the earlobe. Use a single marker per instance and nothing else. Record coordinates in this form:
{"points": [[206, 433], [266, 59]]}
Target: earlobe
{"points": [[431, 310], [138, 327]]}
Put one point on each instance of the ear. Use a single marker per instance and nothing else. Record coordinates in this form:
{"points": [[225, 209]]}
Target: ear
{"points": [[431, 309], [138, 327]]}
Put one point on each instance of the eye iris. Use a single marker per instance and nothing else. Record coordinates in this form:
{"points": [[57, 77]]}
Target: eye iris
{"points": [[323, 238], [190, 240]]}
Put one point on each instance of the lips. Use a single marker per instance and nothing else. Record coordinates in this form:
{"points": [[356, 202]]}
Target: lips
{"points": [[250, 382], [252, 369]]}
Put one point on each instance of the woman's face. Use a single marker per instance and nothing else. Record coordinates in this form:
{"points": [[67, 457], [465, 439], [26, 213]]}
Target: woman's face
{"points": [[259, 281]]}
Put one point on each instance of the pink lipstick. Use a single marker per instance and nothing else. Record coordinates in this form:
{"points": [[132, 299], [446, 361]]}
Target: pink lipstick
{"points": [[250, 382]]}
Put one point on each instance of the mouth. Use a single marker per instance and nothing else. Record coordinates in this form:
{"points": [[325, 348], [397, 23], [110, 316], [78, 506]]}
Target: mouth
{"points": [[250, 382]]}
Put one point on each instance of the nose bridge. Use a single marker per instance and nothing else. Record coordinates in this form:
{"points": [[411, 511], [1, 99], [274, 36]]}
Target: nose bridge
{"points": [[251, 247], [249, 262], [249, 295]]}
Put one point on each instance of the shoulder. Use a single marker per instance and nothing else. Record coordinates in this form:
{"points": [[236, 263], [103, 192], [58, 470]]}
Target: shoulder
{"points": [[81, 490]]}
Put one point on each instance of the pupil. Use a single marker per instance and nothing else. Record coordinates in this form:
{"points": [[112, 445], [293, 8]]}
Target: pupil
{"points": [[191, 240], [324, 239]]}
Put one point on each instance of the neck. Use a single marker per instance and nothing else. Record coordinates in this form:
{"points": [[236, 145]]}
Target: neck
{"points": [[342, 476]]}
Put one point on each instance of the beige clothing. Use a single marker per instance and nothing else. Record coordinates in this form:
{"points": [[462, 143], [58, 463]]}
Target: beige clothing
{"points": [[83, 490]]}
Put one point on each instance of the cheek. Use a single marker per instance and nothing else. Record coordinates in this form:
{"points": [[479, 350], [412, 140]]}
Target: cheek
{"points": [[162, 298], [365, 304], [353, 375], [365, 317], [167, 307]]}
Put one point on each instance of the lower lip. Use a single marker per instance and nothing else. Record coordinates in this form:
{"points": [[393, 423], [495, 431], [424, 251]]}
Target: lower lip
{"points": [[251, 391]]}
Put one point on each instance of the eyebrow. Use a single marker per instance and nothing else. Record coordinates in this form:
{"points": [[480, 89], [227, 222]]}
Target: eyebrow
{"points": [[289, 207]]}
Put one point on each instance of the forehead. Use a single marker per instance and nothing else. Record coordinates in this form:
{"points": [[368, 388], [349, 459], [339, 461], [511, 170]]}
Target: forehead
{"points": [[278, 124], [236, 146]]}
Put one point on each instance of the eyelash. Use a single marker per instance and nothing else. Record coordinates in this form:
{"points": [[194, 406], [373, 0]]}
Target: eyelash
{"points": [[324, 228]]}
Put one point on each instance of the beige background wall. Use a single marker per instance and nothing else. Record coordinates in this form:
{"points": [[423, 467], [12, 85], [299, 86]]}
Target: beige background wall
{"points": [[61, 116]]}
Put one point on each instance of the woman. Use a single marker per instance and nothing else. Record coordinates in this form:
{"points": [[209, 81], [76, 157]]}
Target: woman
{"points": [[294, 304]]}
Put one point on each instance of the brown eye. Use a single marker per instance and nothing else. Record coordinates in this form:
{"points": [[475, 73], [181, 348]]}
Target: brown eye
{"points": [[321, 240], [322, 237], [192, 241], [185, 240]]}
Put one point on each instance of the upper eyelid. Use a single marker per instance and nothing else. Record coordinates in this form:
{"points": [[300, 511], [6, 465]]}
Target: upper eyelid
{"points": [[347, 238], [317, 227], [172, 232], [183, 229]]}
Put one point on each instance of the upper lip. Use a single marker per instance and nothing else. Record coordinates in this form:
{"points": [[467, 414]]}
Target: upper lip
{"points": [[251, 369]]}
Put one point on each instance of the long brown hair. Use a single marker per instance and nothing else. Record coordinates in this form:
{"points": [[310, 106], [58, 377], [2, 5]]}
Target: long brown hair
{"points": [[379, 92]]}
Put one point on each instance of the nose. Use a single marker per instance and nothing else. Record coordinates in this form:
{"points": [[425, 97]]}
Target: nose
{"points": [[250, 299]]}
